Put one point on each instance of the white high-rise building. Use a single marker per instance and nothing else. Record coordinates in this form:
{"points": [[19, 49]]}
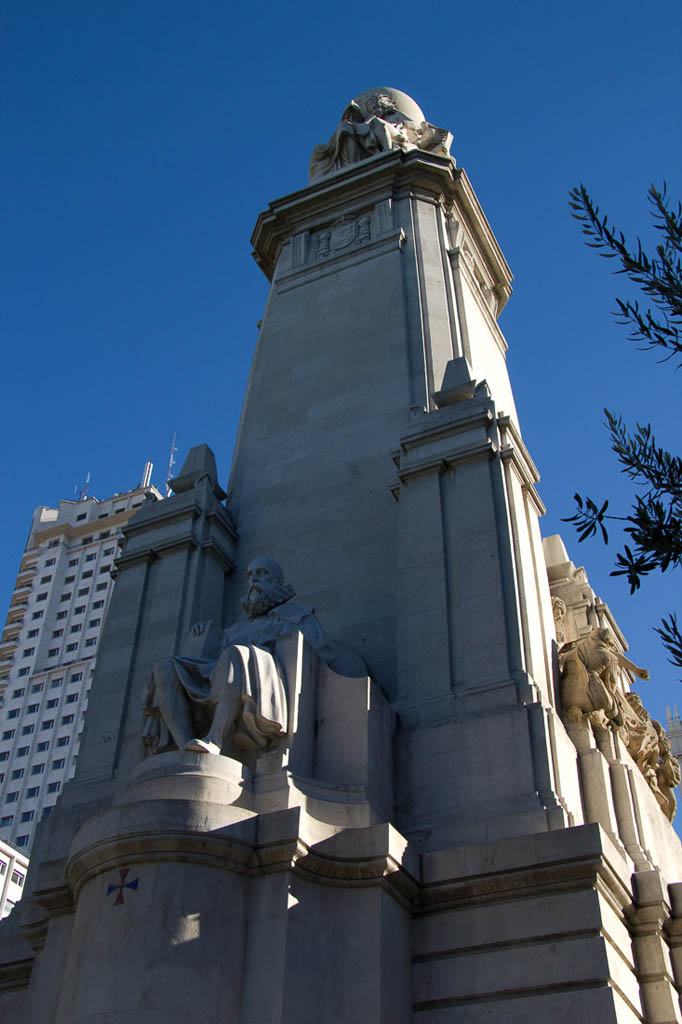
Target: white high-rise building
{"points": [[49, 648]]}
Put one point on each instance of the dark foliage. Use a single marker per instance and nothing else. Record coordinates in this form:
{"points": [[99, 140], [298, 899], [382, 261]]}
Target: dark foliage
{"points": [[654, 522]]}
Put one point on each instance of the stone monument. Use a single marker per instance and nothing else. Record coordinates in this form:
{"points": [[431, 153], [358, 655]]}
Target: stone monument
{"points": [[356, 749]]}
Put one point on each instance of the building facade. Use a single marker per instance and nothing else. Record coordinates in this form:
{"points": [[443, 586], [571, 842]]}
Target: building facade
{"points": [[13, 868], [49, 650]]}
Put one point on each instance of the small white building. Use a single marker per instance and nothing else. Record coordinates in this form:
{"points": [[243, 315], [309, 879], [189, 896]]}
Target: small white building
{"points": [[49, 647], [13, 868]]}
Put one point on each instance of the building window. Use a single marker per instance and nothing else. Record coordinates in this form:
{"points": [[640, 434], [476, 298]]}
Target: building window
{"points": [[42, 597], [56, 682], [32, 708], [23, 751], [49, 561], [38, 769], [74, 561], [71, 648], [37, 687], [63, 741], [4, 755], [37, 615], [91, 641], [53, 544], [79, 609], [32, 792], [27, 652], [67, 719], [47, 724], [54, 787], [26, 816], [62, 615], [96, 605], [5, 822], [17, 876], [93, 622], [32, 632], [47, 811], [43, 745], [27, 730], [86, 576], [45, 579], [100, 586], [91, 557], [58, 763], [102, 569], [14, 713], [103, 536], [22, 841], [18, 773], [81, 517], [76, 677], [77, 628], [69, 579], [8, 734], [121, 509], [53, 652], [18, 693], [12, 798], [87, 540], [57, 633], [71, 698], [53, 702], [24, 671], [65, 597]]}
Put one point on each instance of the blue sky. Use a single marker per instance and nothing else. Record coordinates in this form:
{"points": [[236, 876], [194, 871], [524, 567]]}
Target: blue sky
{"points": [[142, 137]]}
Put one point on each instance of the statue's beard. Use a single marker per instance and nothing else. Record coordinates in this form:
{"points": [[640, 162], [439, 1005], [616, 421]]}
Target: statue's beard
{"points": [[259, 602]]}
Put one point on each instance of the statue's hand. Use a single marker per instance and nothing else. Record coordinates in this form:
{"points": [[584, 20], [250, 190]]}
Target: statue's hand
{"points": [[199, 628], [643, 674]]}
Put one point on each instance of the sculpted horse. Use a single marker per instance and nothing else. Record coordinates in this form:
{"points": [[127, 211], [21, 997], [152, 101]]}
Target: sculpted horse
{"points": [[590, 670]]}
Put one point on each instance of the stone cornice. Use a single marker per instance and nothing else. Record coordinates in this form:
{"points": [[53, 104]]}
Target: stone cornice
{"points": [[387, 175]]}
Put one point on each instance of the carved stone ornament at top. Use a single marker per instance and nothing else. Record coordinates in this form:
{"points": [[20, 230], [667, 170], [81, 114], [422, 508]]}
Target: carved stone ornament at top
{"points": [[343, 234], [374, 122], [229, 689], [592, 694]]}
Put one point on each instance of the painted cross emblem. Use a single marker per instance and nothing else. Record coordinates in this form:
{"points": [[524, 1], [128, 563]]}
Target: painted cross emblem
{"points": [[123, 874]]}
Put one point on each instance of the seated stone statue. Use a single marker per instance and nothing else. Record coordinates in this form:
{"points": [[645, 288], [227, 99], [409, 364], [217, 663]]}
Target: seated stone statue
{"points": [[376, 121], [241, 693]]}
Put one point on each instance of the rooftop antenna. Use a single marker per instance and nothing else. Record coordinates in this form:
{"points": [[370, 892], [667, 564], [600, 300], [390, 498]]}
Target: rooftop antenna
{"points": [[84, 489], [171, 464], [147, 474]]}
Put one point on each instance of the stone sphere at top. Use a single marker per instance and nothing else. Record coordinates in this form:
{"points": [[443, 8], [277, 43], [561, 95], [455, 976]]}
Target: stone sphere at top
{"points": [[369, 103]]}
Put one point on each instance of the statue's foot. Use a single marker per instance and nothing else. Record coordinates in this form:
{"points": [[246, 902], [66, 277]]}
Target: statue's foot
{"points": [[203, 746]]}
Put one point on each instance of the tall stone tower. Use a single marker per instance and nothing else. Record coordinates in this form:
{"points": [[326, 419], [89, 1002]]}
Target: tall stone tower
{"points": [[359, 797]]}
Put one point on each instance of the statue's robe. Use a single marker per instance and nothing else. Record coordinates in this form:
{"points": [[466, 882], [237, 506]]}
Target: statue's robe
{"points": [[248, 660]]}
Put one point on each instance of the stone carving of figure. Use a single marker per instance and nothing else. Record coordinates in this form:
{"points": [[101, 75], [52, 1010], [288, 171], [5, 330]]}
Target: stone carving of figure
{"points": [[668, 774], [640, 736], [589, 678], [240, 694], [559, 613], [376, 121]]}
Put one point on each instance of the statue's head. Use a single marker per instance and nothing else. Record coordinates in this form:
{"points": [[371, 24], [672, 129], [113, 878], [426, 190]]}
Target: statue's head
{"points": [[266, 587]]}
